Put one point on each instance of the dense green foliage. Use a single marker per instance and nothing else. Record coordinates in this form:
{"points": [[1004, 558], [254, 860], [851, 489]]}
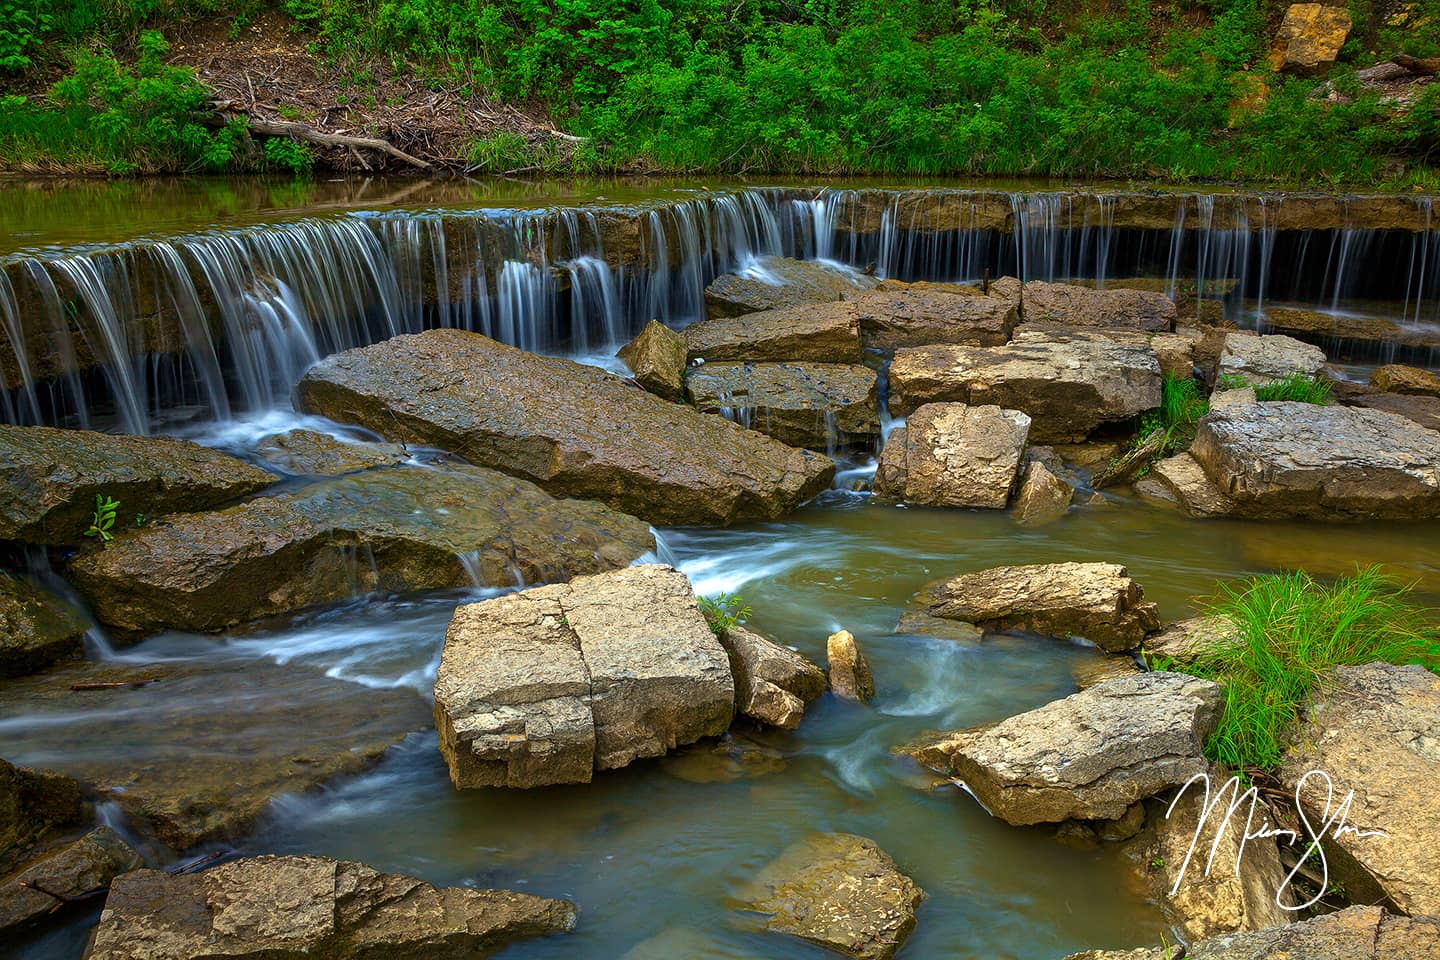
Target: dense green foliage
{"points": [[857, 86], [1291, 630], [1181, 407]]}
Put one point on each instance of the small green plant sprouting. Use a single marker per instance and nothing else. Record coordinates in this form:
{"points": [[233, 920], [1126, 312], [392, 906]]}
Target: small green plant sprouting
{"points": [[1157, 862], [723, 611], [141, 520], [103, 518], [1297, 387]]}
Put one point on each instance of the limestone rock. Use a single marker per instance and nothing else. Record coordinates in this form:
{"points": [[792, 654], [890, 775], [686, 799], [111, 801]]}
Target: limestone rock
{"points": [[954, 455], [1102, 667], [78, 868], [850, 675], [922, 315], [839, 891], [32, 803], [310, 453], [1184, 641], [311, 908], [1097, 601], [1176, 352], [1043, 497], [1259, 360], [1179, 481], [657, 359], [1396, 378], [36, 627], [1068, 385], [574, 430], [1325, 326], [1309, 38], [1079, 306], [816, 405], [1088, 756], [1232, 397], [770, 283], [552, 684], [49, 479], [1421, 410], [1374, 730], [822, 333], [421, 528], [772, 683]]}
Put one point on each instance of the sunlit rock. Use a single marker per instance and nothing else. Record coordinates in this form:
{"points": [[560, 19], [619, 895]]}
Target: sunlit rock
{"points": [[850, 676], [954, 455], [657, 359]]}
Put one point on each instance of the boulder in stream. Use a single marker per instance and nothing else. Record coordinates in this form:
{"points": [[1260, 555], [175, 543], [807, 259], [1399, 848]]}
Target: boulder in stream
{"points": [[552, 684], [1078, 306], [935, 313], [1421, 410], [409, 528], [291, 908], [657, 359], [72, 871], [850, 676], [770, 283], [33, 803], [772, 683], [1259, 360], [1397, 378], [1184, 641], [49, 479], [36, 627], [814, 405], [839, 891], [1043, 497], [822, 333], [574, 430], [311, 453], [954, 455]]}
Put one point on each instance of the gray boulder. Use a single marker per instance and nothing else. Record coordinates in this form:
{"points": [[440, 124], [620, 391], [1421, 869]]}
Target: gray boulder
{"points": [[1259, 360], [933, 313], [821, 333], [76, 869], [954, 455], [1077, 306], [816, 405], [310, 453]]}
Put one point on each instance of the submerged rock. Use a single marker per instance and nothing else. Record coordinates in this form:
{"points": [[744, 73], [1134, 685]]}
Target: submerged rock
{"points": [[1078, 306], [723, 760], [78, 868], [850, 675], [1101, 667], [802, 404], [1043, 497], [49, 480], [839, 891], [1089, 756], [1097, 601], [657, 359], [772, 684], [927, 314], [32, 804], [954, 455], [1374, 730], [1068, 385], [1259, 360], [417, 528], [36, 627], [823, 333], [289, 908], [552, 684], [775, 282], [574, 430], [310, 453]]}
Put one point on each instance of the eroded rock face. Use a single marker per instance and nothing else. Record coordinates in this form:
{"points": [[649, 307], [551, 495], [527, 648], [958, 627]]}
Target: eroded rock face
{"points": [[850, 676], [1113, 308], [1259, 360], [310, 453], [954, 455], [49, 479], [840, 891], [775, 282], [312, 908], [935, 313], [1089, 756], [77, 868], [36, 627], [801, 404], [1397, 378], [1374, 730], [1097, 601], [823, 333], [657, 359], [32, 802], [552, 684], [1043, 497], [1309, 38], [574, 430], [1068, 385], [772, 683], [419, 529]]}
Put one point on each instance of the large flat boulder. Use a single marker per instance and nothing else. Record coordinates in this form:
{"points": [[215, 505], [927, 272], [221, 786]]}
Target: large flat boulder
{"points": [[1096, 601], [1258, 360], [420, 529], [312, 908], [1068, 385], [1286, 459], [36, 626], [816, 405], [769, 283], [552, 684], [1121, 309], [1374, 730], [574, 430], [73, 870], [932, 313], [823, 333], [839, 891], [1398, 378], [1418, 409], [1327, 326], [311, 453], [954, 455], [49, 480], [1089, 756], [772, 683]]}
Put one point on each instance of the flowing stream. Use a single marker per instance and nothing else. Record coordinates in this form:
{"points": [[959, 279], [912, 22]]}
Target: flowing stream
{"points": [[256, 288]]}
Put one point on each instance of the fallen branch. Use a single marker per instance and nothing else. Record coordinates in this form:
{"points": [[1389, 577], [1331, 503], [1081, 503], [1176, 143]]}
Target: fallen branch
{"points": [[113, 684], [1426, 66], [303, 131]]}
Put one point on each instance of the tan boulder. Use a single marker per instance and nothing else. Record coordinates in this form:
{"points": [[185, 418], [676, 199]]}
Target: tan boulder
{"points": [[1179, 481], [850, 675], [770, 283], [926, 314], [772, 684], [1259, 360], [1043, 497], [1184, 641], [822, 333], [310, 453], [1330, 325], [1101, 667], [1077, 306], [36, 626], [1396, 378], [657, 359], [954, 455], [74, 870], [1309, 38], [815, 405]]}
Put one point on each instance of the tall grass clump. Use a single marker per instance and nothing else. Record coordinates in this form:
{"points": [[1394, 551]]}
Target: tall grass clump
{"points": [[1297, 387], [1181, 407], [1291, 629]]}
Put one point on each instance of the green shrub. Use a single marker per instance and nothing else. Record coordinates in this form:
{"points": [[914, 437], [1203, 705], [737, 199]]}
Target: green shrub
{"points": [[723, 611], [1181, 407], [22, 24], [292, 155], [103, 518], [1297, 387]]}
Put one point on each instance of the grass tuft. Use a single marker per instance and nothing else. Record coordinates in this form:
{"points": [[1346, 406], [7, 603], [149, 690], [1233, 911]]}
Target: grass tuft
{"points": [[1297, 387], [1181, 407]]}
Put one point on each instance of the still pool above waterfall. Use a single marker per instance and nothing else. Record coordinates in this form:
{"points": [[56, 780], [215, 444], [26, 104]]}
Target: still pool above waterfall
{"points": [[200, 318]]}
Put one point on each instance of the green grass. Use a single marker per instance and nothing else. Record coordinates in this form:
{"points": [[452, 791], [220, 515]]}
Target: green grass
{"points": [[1292, 629], [1181, 407], [1298, 387]]}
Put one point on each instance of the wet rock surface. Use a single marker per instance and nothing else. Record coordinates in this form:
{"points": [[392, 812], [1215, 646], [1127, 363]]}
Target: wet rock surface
{"points": [[78, 868], [1097, 601], [552, 684], [417, 528], [310, 453], [775, 282], [1074, 305], [772, 683], [823, 333], [1043, 497], [1089, 756], [839, 891], [801, 404], [954, 455], [49, 480], [850, 676], [657, 358], [934, 313], [32, 804], [1068, 385], [36, 626], [288, 908], [1259, 360], [574, 430], [1323, 326]]}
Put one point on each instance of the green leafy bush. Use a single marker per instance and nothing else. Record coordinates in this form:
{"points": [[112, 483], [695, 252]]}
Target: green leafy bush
{"points": [[292, 155], [723, 611], [22, 24]]}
